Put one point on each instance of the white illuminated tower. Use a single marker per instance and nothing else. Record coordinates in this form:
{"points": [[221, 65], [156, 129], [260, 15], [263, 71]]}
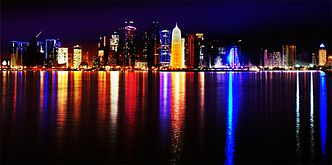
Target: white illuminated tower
{"points": [[63, 56], [176, 49]]}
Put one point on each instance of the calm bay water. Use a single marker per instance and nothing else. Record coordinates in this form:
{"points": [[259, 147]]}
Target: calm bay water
{"points": [[165, 117]]}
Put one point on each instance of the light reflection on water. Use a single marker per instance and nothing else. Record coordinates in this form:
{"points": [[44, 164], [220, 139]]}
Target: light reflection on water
{"points": [[115, 117]]}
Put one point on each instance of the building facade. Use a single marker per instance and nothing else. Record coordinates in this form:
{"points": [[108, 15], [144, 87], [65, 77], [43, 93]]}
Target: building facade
{"points": [[165, 43], [77, 56], [321, 55], [176, 49]]}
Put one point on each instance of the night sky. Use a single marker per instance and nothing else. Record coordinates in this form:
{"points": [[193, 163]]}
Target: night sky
{"points": [[267, 23]]}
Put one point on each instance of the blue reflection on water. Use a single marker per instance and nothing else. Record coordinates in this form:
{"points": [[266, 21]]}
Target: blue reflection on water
{"points": [[230, 143], [323, 110], [165, 92]]}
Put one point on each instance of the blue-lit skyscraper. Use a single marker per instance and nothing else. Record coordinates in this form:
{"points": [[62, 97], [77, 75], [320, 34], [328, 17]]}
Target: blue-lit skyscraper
{"points": [[233, 58], [51, 51], [165, 41]]}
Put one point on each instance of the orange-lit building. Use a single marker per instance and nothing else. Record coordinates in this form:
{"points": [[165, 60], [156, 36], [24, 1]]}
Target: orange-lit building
{"points": [[176, 49], [321, 55]]}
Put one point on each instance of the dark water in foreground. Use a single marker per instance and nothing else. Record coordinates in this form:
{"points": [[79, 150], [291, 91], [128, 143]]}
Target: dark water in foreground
{"points": [[165, 117]]}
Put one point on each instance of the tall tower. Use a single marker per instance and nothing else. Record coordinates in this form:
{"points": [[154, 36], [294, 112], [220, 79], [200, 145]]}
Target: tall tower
{"points": [[321, 55], [129, 48], [153, 44], [165, 40], [176, 57], [77, 60], [191, 50], [288, 55]]}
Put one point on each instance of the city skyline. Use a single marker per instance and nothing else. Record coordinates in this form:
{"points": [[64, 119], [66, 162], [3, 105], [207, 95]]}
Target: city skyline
{"points": [[260, 24]]}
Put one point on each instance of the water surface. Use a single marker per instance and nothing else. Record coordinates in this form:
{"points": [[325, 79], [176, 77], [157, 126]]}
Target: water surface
{"points": [[165, 117]]}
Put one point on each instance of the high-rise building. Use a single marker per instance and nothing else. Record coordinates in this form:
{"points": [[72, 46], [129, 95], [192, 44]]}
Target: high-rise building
{"points": [[276, 59], [266, 59], [51, 51], [176, 49], [153, 44], [103, 50], [190, 60], [234, 57], [63, 56], [77, 59], [17, 50], [288, 55], [321, 55], [114, 48], [313, 59], [129, 51], [165, 42], [40, 47], [200, 50], [183, 52]]}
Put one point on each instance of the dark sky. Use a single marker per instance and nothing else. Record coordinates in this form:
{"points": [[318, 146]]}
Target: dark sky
{"points": [[263, 23]]}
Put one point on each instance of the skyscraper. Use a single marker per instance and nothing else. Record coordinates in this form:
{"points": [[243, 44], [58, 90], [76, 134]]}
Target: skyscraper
{"points": [[288, 55], [200, 50], [114, 48], [17, 50], [313, 59], [77, 59], [129, 47], [51, 51], [190, 51], [153, 44], [276, 59], [176, 56], [266, 58], [183, 52], [63, 56], [165, 41], [321, 55]]}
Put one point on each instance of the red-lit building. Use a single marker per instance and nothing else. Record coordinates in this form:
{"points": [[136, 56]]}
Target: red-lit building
{"points": [[190, 57]]}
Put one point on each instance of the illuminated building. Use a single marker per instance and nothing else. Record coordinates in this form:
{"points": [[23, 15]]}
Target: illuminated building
{"points": [[153, 44], [85, 59], [234, 57], [70, 60], [200, 50], [144, 56], [17, 50], [165, 41], [103, 47], [266, 59], [183, 52], [40, 47], [77, 59], [313, 59], [51, 51], [276, 59], [321, 55], [114, 41], [129, 47], [288, 55], [190, 60], [177, 52], [114, 48], [63, 56], [101, 56]]}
